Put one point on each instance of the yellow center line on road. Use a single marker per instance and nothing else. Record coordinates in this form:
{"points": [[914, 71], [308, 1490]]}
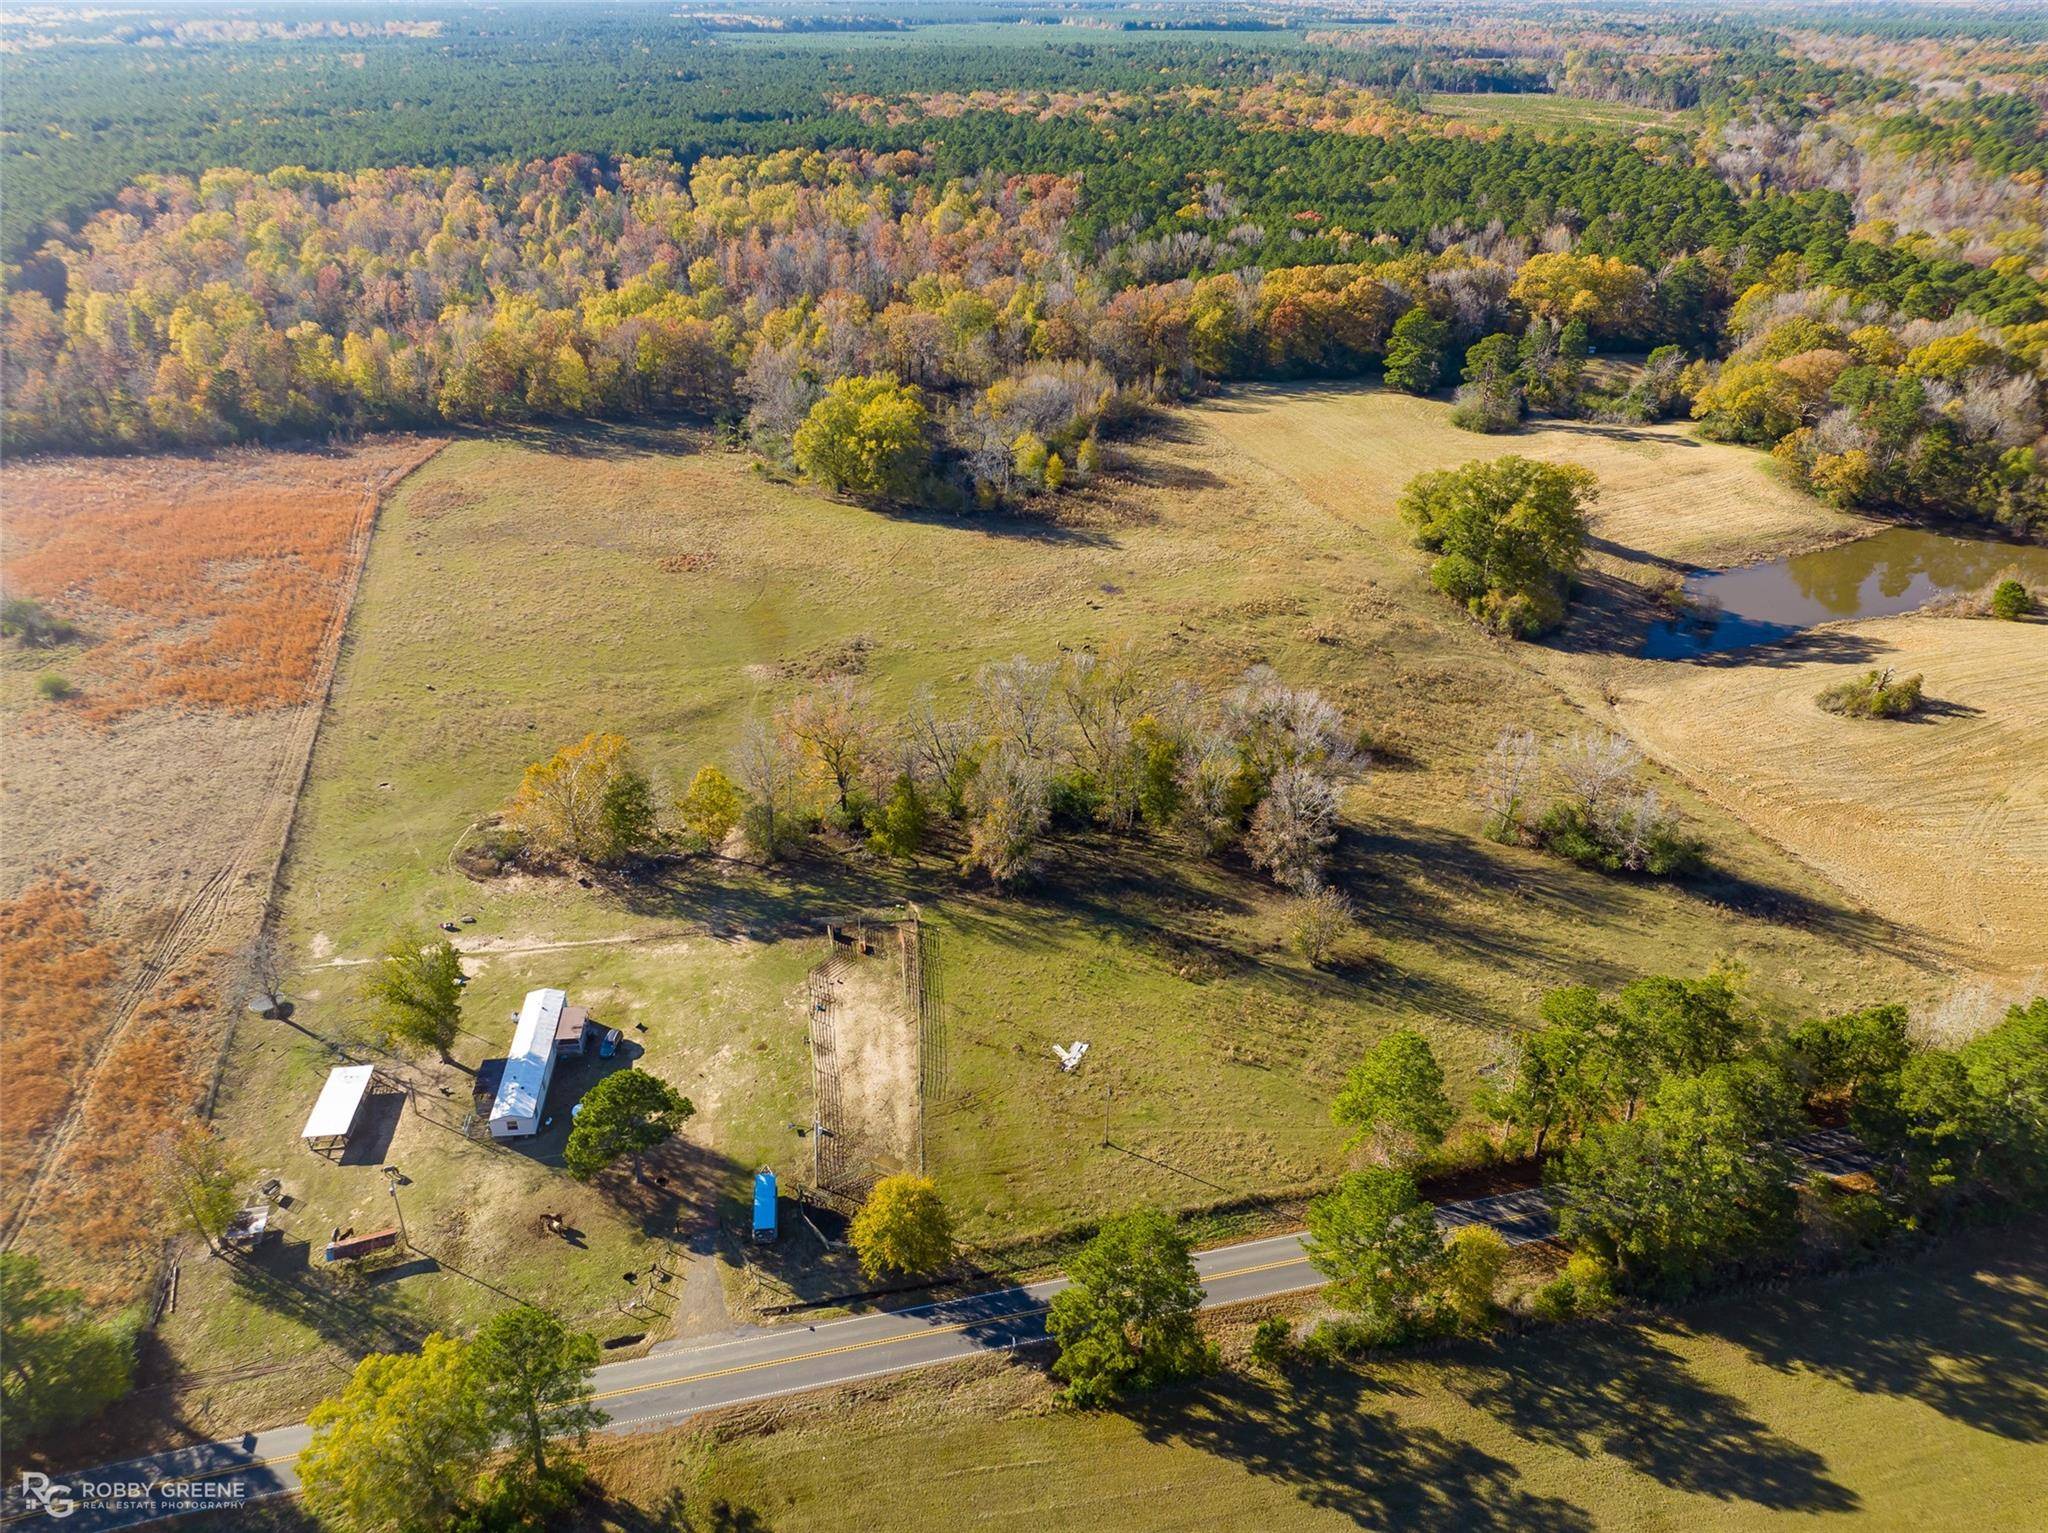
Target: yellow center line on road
{"points": [[883, 1341], [770, 1362]]}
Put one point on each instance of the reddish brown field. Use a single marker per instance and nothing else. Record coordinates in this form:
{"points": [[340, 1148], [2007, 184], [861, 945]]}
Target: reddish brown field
{"points": [[209, 596], [203, 582], [58, 974]]}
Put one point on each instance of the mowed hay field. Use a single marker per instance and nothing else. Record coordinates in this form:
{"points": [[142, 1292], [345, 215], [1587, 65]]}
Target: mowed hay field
{"points": [[1907, 1397], [522, 591], [145, 814], [1668, 499], [1926, 826], [1940, 822]]}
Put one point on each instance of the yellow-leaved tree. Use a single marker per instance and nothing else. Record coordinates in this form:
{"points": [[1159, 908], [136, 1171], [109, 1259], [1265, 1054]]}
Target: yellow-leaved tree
{"points": [[588, 802], [904, 1227]]}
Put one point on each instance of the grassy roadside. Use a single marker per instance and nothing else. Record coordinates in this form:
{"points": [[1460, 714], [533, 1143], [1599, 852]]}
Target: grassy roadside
{"points": [[1874, 1395]]}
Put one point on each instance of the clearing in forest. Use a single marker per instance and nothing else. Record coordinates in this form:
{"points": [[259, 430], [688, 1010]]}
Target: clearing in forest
{"points": [[1668, 499]]}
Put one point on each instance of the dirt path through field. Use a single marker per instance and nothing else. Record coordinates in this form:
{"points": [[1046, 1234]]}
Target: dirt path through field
{"points": [[224, 909]]}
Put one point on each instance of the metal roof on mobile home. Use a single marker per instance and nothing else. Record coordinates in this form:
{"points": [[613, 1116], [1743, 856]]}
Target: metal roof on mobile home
{"points": [[533, 1050]]}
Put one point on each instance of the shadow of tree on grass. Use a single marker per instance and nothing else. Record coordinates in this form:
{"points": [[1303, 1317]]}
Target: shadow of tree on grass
{"points": [[1967, 1339], [1616, 1390], [1323, 1438]]}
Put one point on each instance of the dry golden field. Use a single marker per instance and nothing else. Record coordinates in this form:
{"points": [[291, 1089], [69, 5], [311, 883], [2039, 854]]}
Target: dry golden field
{"points": [[1940, 822], [146, 813], [1931, 826], [1667, 497]]}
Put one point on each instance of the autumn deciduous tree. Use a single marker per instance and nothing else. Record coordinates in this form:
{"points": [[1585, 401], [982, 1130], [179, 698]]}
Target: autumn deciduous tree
{"points": [[203, 1179], [903, 1227], [1009, 808], [627, 1113], [1609, 294], [1474, 1258], [588, 802], [833, 725], [867, 436], [414, 992], [401, 1446], [712, 807]]}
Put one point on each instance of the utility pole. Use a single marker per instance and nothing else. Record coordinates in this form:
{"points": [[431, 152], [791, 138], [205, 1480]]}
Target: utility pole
{"points": [[1108, 1094], [391, 1180]]}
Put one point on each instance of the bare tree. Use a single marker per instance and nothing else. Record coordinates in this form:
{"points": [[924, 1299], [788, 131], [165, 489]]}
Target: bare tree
{"points": [[768, 776], [1317, 920], [1278, 726], [1634, 821], [1016, 703], [780, 390], [944, 747], [1210, 776], [1105, 698], [1595, 767], [1506, 780], [1294, 827]]}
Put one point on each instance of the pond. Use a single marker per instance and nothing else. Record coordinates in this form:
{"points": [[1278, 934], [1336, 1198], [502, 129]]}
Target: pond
{"points": [[1897, 570]]}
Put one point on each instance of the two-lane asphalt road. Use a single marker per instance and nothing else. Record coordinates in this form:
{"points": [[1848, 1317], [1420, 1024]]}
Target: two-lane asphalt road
{"points": [[665, 1387]]}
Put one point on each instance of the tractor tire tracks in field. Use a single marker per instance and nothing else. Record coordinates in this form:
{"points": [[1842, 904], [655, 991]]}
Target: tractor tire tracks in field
{"points": [[211, 911]]}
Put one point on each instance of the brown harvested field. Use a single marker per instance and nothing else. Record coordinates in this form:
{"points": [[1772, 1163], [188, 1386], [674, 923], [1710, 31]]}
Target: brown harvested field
{"points": [[1667, 498], [208, 596], [201, 582], [58, 973], [1940, 822]]}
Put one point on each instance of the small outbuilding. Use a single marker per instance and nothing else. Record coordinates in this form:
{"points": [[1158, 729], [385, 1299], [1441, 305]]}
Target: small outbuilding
{"points": [[334, 1115], [574, 1032], [764, 1206]]}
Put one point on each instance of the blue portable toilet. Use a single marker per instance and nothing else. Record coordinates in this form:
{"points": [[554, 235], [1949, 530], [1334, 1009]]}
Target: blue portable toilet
{"points": [[764, 1205]]}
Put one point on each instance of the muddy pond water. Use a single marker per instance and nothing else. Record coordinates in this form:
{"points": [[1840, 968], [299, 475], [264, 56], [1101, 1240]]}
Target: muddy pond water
{"points": [[1898, 570]]}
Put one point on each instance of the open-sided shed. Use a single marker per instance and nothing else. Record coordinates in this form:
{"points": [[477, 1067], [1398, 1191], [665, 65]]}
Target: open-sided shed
{"points": [[334, 1115]]}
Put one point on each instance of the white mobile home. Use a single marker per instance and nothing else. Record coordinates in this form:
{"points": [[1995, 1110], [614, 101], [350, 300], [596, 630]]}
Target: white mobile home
{"points": [[529, 1066]]}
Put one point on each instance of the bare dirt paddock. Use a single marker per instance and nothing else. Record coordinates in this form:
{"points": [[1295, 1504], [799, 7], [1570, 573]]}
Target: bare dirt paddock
{"points": [[866, 1062], [1940, 822], [207, 597]]}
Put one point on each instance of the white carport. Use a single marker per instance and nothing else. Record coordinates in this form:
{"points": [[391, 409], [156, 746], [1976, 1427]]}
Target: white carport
{"points": [[341, 1101]]}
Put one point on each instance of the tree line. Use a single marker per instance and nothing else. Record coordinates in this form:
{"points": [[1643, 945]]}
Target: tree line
{"points": [[1085, 741]]}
